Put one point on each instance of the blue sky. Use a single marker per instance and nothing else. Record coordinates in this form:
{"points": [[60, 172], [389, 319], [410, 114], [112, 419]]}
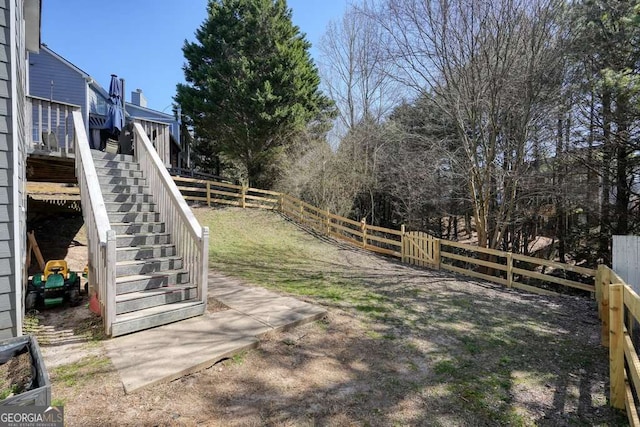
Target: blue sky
{"points": [[141, 40]]}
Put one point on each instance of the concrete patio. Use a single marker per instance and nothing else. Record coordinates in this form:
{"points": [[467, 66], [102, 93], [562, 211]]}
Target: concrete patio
{"points": [[169, 352]]}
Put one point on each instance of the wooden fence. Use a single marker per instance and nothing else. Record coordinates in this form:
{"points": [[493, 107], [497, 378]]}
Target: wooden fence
{"points": [[619, 310], [215, 192], [614, 297], [411, 247]]}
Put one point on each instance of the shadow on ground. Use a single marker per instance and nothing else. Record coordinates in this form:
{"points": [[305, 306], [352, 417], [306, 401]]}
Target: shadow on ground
{"points": [[437, 349]]}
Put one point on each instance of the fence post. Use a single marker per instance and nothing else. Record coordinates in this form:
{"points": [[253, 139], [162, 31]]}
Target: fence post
{"points": [[243, 200], [606, 280], [328, 223], [436, 254], [598, 284], [281, 202], [509, 269], [403, 251], [363, 228], [209, 193], [616, 349], [301, 213]]}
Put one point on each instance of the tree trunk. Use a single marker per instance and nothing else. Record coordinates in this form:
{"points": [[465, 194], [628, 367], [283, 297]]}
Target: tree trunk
{"points": [[606, 177], [623, 192], [558, 184]]}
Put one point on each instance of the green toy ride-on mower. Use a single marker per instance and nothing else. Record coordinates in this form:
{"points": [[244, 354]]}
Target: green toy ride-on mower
{"points": [[54, 286]]}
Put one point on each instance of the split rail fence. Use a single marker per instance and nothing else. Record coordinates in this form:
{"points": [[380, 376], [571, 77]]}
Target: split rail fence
{"points": [[617, 302], [619, 311], [411, 247]]}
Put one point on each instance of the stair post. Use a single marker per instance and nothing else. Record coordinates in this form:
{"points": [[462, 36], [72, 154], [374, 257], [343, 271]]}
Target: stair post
{"points": [[110, 285], [204, 247]]}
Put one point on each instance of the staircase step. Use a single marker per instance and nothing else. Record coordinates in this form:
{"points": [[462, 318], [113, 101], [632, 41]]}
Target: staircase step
{"points": [[145, 252], [152, 288], [140, 282], [124, 189], [142, 228], [127, 198], [151, 265], [155, 316], [135, 301], [101, 155], [126, 173], [141, 239], [129, 207], [119, 180], [134, 217], [115, 164]]}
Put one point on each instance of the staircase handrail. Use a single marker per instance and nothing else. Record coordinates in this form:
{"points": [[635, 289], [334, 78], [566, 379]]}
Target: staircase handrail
{"points": [[100, 237], [190, 238]]}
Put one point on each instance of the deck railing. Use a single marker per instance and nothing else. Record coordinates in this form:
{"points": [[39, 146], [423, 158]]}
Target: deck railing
{"points": [[100, 237], [159, 134], [50, 126], [191, 240]]}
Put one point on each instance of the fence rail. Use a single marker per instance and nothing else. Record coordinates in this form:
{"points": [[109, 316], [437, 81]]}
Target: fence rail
{"points": [[505, 268], [420, 249], [619, 310]]}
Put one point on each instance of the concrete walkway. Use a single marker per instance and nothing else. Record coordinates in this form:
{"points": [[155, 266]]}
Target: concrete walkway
{"points": [[172, 351]]}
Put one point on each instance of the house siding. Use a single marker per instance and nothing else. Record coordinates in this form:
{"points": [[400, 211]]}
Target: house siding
{"points": [[7, 265], [97, 103], [12, 167], [19, 132], [69, 85]]}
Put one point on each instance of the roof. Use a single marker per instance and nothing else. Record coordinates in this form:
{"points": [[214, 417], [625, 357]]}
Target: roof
{"points": [[93, 84], [154, 112], [66, 62]]}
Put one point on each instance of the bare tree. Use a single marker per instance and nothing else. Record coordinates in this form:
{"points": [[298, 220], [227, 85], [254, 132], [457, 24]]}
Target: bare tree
{"points": [[488, 65], [353, 72]]}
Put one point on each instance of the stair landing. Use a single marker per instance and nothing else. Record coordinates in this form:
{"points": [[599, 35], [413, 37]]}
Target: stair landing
{"points": [[194, 344]]}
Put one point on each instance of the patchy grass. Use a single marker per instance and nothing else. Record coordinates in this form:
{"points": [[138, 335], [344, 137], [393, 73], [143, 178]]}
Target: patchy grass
{"points": [[477, 353], [399, 346], [84, 370], [92, 331]]}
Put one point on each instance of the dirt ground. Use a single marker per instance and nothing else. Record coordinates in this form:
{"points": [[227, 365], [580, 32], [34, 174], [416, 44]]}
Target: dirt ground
{"points": [[15, 375], [439, 350]]}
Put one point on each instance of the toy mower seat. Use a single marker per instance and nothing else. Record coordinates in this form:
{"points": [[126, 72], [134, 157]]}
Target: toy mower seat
{"points": [[55, 267]]}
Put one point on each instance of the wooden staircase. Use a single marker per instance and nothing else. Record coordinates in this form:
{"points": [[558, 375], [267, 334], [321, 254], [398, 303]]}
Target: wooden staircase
{"points": [[152, 287]]}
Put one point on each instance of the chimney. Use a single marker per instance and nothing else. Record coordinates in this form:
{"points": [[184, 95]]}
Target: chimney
{"points": [[137, 98]]}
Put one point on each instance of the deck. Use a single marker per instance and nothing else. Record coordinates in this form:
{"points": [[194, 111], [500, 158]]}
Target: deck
{"points": [[51, 140]]}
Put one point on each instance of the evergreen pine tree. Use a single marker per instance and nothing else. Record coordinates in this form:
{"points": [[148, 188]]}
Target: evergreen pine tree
{"points": [[250, 84]]}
